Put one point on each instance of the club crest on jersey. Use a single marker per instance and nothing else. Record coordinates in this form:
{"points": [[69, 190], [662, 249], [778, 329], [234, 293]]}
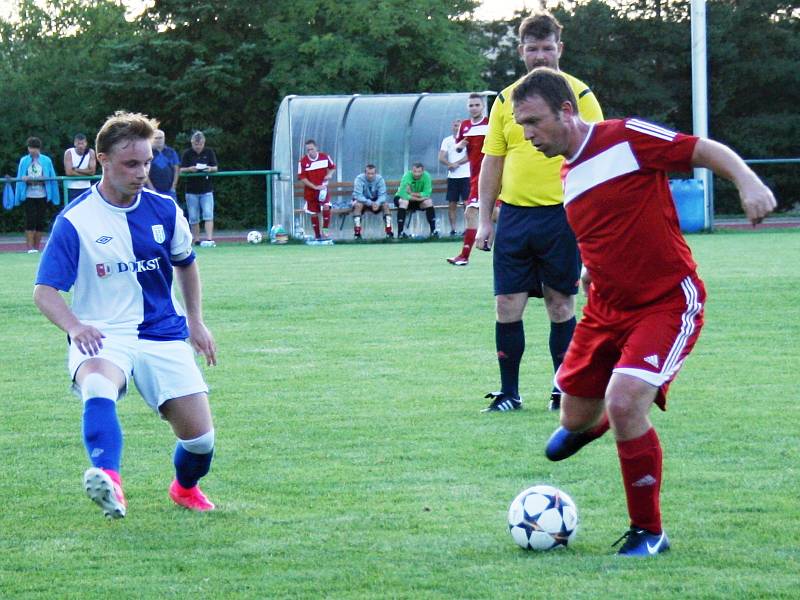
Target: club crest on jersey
{"points": [[158, 233], [103, 270]]}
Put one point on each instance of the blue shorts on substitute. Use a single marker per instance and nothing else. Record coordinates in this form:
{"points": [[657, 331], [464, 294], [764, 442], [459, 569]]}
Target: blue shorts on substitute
{"points": [[535, 246]]}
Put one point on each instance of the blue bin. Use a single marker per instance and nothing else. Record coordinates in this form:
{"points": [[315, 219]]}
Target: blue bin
{"points": [[690, 203]]}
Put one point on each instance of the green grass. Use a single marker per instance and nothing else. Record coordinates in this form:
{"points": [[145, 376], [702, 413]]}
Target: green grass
{"points": [[352, 459]]}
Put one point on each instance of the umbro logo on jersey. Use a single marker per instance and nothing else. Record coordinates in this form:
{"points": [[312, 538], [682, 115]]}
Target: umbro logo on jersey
{"points": [[104, 239], [652, 360]]}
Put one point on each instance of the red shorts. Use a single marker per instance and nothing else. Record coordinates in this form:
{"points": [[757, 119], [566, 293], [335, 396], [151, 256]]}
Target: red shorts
{"points": [[648, 343], [314, 206]]}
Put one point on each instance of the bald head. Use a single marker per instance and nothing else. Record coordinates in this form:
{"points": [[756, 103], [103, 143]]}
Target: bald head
{"points": [[158, 140]]}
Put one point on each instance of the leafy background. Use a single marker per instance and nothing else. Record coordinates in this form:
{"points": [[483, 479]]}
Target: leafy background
{"points": [[223, 67]]}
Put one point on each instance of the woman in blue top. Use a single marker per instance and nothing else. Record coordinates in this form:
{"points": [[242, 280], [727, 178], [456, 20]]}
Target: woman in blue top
{"points": [[36, 188]]}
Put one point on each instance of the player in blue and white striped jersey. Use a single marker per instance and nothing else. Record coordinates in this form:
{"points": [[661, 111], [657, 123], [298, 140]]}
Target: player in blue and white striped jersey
{"points": [[117, 247]]}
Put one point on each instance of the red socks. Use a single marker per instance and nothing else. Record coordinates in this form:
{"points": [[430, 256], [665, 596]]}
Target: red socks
{"points": [[315, 225], [469, 240], [640, 460], [326, 217]]}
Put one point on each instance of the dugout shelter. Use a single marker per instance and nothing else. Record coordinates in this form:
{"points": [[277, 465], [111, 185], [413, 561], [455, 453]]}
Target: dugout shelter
{"points": [[392, 131]]}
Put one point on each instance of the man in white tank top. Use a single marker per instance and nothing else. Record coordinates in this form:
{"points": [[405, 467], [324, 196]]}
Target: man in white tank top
{"points": [[79, 160]]}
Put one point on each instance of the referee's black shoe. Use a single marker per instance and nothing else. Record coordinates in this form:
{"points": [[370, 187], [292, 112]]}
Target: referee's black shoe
{"points": [[502, 402]]}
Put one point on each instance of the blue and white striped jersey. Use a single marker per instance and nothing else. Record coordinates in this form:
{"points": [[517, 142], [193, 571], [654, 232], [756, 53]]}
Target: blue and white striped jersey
{"points": [[118, 261]]}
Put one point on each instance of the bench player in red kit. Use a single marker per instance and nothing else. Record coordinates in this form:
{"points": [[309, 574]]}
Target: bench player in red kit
{"points": [[645, 301], [314, 170]]}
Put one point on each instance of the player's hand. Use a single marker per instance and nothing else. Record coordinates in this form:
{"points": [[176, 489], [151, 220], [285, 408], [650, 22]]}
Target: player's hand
{"points": [[484, 238], [87, 339], [203, 342], [757, 202]]}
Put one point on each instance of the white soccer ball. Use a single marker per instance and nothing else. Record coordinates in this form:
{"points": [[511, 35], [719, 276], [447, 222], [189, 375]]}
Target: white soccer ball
{"points": [[542, 518], [254, 237]]}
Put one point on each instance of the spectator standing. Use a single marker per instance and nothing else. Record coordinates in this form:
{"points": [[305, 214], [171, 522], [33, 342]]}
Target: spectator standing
{"points": [[79, 160], [314, 170], [414, 193], [645, 300], [165, 170], [454, 157], [471, 134], [117, 249], [199, 190], [535, 253], [369, 193], [36, 188]]}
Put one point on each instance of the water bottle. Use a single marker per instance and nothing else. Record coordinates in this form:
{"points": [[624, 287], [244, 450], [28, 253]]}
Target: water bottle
{"points": [[323, 193], [299, 233]]}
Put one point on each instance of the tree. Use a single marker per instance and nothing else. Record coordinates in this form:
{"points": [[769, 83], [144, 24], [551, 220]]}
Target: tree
{"points": [[225, 71], [48, 63]]}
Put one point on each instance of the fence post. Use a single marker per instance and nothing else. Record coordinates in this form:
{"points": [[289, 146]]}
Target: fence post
{"points": [[269, 201]]}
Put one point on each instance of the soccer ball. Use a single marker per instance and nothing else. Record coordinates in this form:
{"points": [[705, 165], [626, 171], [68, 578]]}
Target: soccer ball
{"points": [[254, 237], [542, 518]]}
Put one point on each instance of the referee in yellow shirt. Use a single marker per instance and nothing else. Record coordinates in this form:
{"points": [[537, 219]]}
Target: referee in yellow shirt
{"points": [[535, 253]]}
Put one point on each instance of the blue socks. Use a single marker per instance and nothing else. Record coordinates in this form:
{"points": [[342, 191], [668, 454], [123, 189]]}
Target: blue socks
{"points": [[102, 434], [510, 343], [190, 467]]}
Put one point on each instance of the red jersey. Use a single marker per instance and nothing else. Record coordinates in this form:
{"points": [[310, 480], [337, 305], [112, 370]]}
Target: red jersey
{"points": [[475, 133], [314, 171], [618, 203]]}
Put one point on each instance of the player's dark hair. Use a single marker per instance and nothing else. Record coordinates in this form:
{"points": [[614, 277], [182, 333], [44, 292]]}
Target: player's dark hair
{"points": [[370, 166], [418, 165], [33, 142], [79, 137], [124, 126], [311, 141], [539, 26], [475, 95], [548, 84]]}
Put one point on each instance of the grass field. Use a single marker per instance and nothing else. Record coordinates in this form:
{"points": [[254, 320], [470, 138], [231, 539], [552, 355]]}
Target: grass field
{"points": [[352, 459]]}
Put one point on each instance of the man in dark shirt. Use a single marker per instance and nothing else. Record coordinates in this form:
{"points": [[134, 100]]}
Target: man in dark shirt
{"points": [[199, 192], [165, 168]]}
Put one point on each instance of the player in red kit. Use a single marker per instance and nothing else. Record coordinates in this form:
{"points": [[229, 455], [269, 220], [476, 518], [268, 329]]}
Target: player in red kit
{"points": [[645, 301], [314, 170], [471, 134]]}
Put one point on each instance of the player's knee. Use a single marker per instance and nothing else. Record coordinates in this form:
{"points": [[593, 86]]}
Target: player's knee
{"points": [[97, 385], [509, 307], [560, 307], [200, 445], [621, 409]]}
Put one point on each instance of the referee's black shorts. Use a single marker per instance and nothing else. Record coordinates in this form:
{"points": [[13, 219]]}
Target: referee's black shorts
{"points": [[535, 246]]}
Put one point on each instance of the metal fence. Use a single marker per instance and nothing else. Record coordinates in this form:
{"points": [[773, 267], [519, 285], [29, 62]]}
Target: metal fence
{"points": [[269, 176]]}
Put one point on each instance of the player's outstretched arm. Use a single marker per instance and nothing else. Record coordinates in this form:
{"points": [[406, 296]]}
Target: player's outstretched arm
{"points": [[756, 198], [86, 338], [199, 336]]}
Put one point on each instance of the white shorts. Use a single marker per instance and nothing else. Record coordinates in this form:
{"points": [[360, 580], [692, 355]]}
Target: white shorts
{"points": [[161, 370]]}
